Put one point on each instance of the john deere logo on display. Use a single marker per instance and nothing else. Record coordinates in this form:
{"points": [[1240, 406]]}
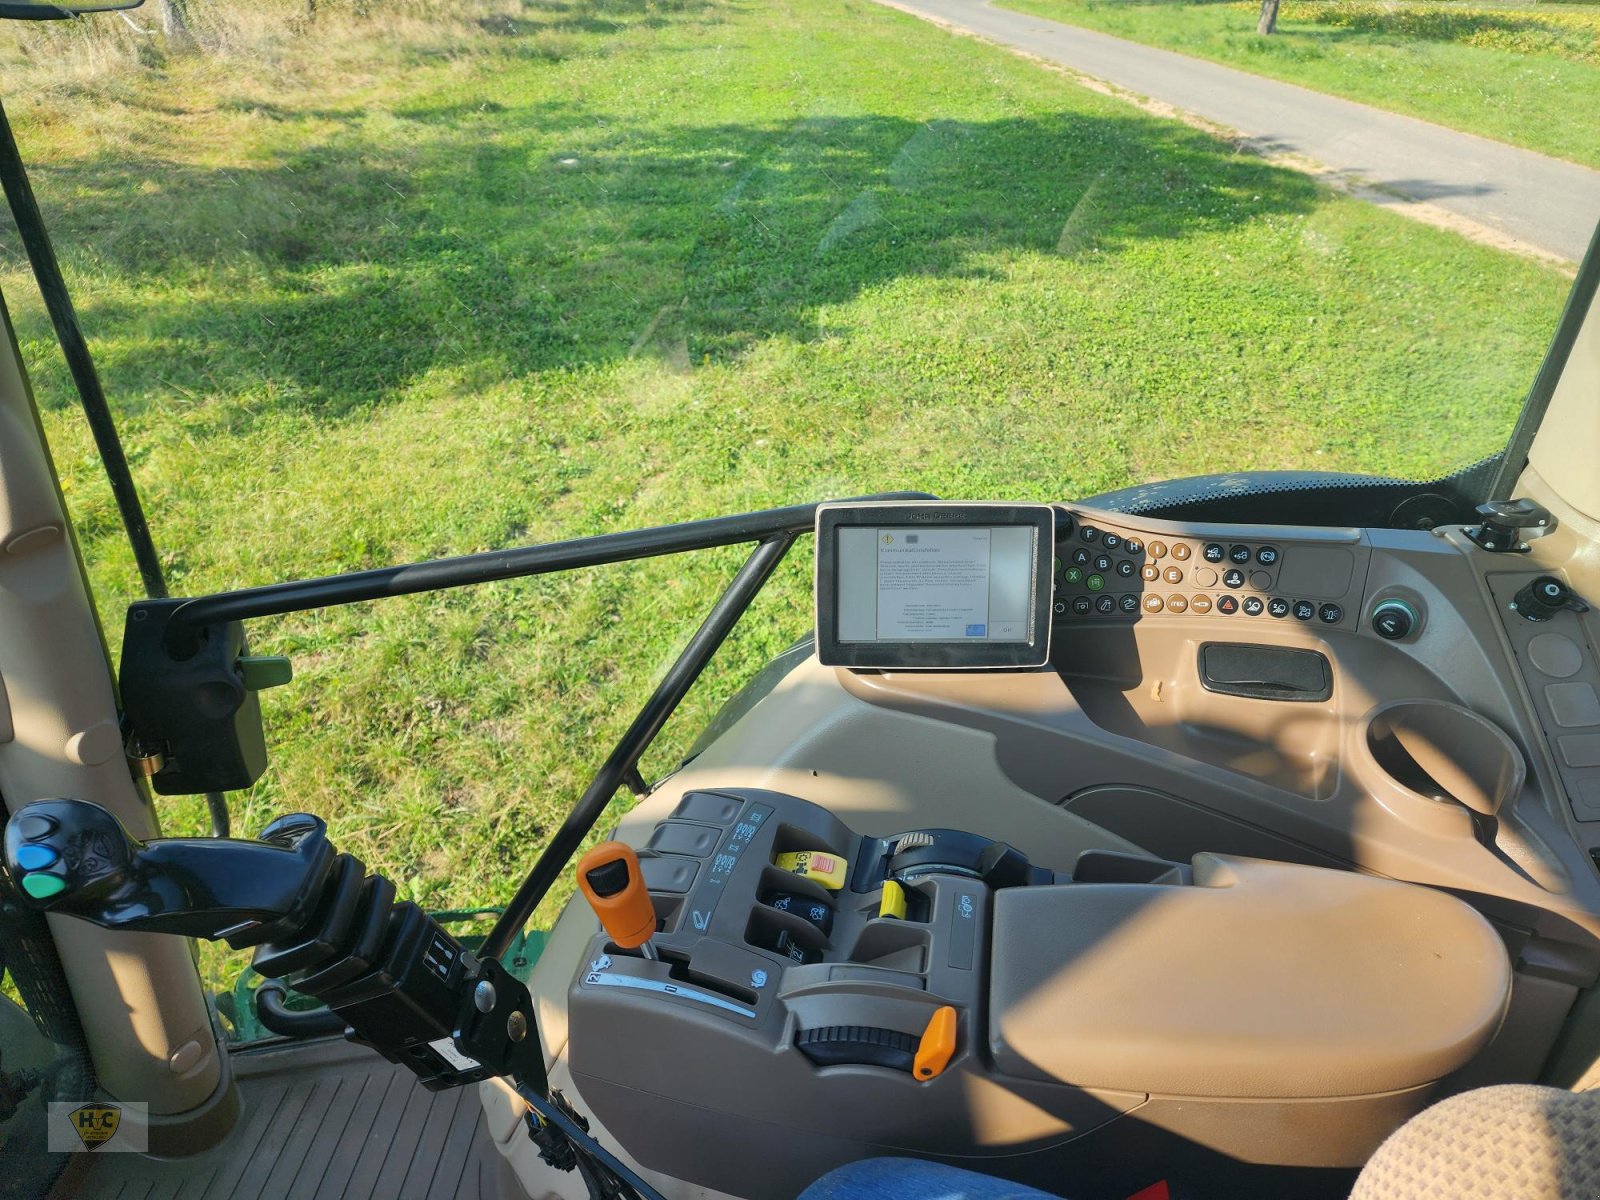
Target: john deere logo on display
{"points": [[96, 1124]]}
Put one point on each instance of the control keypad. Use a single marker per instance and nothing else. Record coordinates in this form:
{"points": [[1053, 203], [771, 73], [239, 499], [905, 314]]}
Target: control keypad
{"points": [[1108, 574]]}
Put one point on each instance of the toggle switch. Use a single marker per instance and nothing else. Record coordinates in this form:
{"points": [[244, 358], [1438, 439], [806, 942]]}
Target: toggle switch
{"points": [[819, 866], [806, 908], [787, 945], [893, 903]]}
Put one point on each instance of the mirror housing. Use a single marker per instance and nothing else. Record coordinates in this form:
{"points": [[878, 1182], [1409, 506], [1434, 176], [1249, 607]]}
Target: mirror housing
{"points": [[59, 10]]}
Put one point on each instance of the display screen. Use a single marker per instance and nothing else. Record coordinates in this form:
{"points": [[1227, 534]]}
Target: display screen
{"points": [[934, 586], [900, 583]]}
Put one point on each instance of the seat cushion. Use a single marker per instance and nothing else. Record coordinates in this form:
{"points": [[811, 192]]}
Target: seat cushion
{"points": [[1531, 1143]]}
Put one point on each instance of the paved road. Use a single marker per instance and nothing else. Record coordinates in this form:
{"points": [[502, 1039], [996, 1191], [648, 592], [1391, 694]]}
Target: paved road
{"points": [[1550, 204]]}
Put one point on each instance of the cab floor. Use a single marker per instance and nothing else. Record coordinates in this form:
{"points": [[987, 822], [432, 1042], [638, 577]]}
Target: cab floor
{"points": [[322, 1120]]}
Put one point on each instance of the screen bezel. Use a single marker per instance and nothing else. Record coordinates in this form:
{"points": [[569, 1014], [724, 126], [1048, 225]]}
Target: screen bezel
{"points": [[933, 656]]}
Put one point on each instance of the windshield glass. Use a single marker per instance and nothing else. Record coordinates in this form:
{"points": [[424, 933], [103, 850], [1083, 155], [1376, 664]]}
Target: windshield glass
{"points": [[374, 284]]}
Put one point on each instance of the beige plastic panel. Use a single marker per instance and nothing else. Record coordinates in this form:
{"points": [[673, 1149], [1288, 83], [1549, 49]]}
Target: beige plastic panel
{"points": [[138, 995], [1567, 447], [1262, 980]]}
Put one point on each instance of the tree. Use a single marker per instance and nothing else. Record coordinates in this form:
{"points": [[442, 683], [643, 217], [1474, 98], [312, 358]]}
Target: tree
{"points": [[1268, 21]]}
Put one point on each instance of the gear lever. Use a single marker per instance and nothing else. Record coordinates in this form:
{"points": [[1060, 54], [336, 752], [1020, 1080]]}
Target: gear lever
{"points": [[610, 880]]}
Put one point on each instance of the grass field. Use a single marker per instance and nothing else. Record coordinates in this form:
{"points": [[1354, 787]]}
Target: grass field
{"points": [[594, 265], [1527, 74]]}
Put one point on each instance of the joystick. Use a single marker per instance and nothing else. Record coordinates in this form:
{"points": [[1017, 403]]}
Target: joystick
{"points": [[74, 857]]}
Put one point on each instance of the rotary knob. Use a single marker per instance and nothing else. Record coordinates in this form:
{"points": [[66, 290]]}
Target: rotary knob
{"points": [[1394, 619], [1542, 598]]}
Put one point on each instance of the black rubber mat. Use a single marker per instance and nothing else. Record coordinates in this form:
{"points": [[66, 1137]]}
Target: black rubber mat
{"points": [[325, 1121]]}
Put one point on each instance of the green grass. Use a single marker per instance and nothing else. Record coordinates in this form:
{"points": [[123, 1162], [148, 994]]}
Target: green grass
{"points": [[603, 264], [1524, 74]]}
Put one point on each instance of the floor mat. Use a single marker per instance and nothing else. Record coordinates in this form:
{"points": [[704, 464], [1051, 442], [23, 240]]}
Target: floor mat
{"points": [[324, 1120]]}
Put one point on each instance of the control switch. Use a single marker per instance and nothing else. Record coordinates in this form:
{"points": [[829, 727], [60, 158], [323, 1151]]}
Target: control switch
{"points": [[807, 908], [1394, 620], [818, 866]]}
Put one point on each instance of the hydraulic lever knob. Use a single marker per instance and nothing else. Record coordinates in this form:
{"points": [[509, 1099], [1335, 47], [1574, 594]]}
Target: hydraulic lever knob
{"points": [[610, 880], [74, 857]]}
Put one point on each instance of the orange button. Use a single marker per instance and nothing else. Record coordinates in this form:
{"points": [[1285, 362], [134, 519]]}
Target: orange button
{"points": [[1177, 603], [1201, 604], [1181, 551], [1150, 572], [1173, 575], [1156, 549], [1152, 603], [937, 1045]]}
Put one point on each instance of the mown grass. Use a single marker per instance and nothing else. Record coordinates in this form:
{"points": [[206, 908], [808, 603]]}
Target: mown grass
{"points": [[1524, 74], [600, 264]]}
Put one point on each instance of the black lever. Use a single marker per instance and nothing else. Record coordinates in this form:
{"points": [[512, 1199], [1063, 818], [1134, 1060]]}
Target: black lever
{"points": [[1508, 525], [74, 857]]}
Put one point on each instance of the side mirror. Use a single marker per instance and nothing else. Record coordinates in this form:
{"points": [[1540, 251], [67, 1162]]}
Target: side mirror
{"points": [[58, 10]]}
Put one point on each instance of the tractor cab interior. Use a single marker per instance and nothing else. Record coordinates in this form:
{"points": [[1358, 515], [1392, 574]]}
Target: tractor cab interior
{"points": [[1196, 837]]}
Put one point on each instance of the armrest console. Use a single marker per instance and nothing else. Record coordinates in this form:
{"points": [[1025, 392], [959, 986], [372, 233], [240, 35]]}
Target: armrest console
{"points": [[1275, 1014], [1263, 980]]}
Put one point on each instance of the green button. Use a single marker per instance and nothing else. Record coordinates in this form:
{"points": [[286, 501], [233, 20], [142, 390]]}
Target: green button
{"points": [[1073, 575], [41, 887], [1095, 582]]}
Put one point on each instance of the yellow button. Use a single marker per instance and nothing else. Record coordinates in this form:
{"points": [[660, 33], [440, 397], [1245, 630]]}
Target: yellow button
{"points": [[816, 865], [893, 903]]}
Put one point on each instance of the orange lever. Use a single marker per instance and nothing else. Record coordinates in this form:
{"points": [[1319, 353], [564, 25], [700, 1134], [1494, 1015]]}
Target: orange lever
{"points": [[937, 1045], [610, 880]]}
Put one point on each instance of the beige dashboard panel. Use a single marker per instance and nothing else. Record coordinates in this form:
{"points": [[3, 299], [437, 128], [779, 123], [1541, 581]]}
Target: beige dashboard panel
{"points": [[1262, 980], [1124, 712]]}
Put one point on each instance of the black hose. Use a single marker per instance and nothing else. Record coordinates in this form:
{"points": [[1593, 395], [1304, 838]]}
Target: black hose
{"points": [[275, 1014]]}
